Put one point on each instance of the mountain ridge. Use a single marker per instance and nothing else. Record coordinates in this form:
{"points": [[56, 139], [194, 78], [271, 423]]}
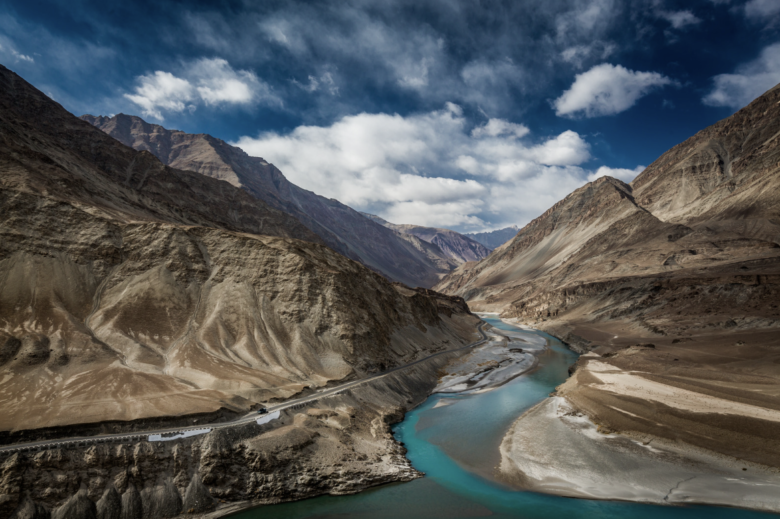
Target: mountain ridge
{"points": [[343, 229], [453, 245], [494, 239]]}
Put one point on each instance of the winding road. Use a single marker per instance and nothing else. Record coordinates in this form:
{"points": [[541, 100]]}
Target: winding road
{"points": [[251, 417]]}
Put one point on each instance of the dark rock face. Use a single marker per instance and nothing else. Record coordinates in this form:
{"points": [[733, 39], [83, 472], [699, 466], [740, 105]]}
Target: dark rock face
{"points": [[77, 507], [9, 345], [110, 505], [132, 505], [28, 509], [35, 349], [161, 501], [343, 229], [197, 498]]}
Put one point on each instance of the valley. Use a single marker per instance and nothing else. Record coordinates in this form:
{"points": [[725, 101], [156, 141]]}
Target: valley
{"points": [[668, 286], [159, 288]]}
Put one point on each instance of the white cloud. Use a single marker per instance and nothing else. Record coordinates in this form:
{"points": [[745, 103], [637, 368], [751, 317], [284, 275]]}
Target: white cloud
{"points": [[325, 82], [606, 90], [579, 54], [408, 58], [498, 128], [748, 82], [207, 81], [161, 91], [626, 175], [760, 9], [9, 48], [430, 168], [679, 19]]}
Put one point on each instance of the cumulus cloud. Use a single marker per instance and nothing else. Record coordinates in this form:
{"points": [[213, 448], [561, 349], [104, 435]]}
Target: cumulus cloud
{"points": [[606, 90], [748, 82], [430, 168], [162, 91], [760, 9], [204, 81], [626, 175]]}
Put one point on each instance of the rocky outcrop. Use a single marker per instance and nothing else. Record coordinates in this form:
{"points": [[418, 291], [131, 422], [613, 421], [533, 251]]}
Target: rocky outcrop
{"points": [[340, 445], [343, 229], [132, 504]]}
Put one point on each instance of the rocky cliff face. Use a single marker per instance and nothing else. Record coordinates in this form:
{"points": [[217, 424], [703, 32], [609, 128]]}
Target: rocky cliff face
{"points": [[341, 445], [131, 291], [686, 258], [343, 229]]}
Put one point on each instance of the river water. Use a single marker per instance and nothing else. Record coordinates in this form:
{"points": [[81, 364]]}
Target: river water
{"points": [[456, 445]]}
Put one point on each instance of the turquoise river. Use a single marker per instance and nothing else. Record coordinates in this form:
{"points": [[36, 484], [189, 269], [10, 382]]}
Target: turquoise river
{"points": [[456, 446]]}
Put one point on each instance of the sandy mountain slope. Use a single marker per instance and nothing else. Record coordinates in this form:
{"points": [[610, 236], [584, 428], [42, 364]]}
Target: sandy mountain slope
{"points": [[494, 239], [343, 229], [453, 246], [131, 290], [686, 258]]}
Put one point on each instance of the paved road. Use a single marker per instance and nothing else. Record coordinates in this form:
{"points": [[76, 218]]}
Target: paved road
{"points": [[251, 417]]}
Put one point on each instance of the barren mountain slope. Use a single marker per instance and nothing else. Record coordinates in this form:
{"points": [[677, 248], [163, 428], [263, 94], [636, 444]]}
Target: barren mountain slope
{"points": [[452, 245], [343, 229], [46, 150], [128, 290], [686, 258]]}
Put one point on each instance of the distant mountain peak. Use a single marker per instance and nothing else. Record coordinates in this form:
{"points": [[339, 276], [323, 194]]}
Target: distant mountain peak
{"points": [[453, 245]]}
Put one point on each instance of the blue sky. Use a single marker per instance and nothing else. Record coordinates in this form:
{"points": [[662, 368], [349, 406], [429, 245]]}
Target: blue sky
{"points": [[470, 114]]}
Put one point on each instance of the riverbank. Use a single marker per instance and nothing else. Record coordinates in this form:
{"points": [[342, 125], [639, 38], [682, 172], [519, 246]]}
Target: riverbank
{"points": [[672, 421], [454, 439], [557, 450]]}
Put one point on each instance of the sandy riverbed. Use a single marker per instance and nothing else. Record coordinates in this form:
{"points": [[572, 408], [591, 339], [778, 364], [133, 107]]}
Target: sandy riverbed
{"points": [[554, 449], [505, 357]]}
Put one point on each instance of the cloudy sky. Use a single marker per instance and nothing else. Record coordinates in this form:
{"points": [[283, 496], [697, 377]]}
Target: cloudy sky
{"points": [[469, 114]]}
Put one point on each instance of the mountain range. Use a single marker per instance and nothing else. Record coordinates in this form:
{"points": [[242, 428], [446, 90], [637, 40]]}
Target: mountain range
{"points": [[451, 245], [494, 239], [172, 291], [685, 260], [343, 229]]}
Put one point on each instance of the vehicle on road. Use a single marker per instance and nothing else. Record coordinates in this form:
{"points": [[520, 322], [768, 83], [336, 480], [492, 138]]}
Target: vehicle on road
{"points": [[262, 410]]}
